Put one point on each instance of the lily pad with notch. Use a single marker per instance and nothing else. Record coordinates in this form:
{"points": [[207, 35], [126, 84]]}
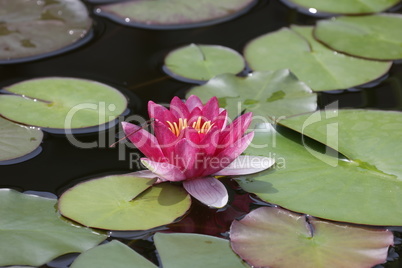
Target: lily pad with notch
{"points": [[18, 143], [31, 30], [365, 187], [289, 239], [270, 94], [199, 63], [61, 103], [34, 227], [174, 14], [377, 37], [124, 202], [320, 68]]}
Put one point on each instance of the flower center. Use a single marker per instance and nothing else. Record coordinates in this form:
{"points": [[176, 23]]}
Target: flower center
{"points": [[201, 127]]}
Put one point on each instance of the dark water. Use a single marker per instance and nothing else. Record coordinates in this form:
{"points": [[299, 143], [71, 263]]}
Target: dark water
{"points": [[131, 59]]}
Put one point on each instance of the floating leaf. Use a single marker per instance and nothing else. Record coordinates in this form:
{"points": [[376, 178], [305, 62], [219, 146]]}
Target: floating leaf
{"points": [[272, 93], [317, 66], [179, 250], [367, 189], [31, 30], [343, 6], [17, 141], [114, 254], [62, 103], [274, 237], [124, 202], [375, 36], [32, 232], [202, 62], [370, 139], [174, 14]]}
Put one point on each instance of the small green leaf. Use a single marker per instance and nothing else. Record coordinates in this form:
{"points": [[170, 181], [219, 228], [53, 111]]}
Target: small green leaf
{"points": [[124, 202], [273, 94], [274, 237], [113, 254], [32, 233], [202, 62], [63, 103], [376, 37], [174, 14], [17, 140], [313, 63], [197, 251]]}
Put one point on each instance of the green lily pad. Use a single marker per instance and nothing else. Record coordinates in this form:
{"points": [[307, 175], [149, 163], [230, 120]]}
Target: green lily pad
{"points": [[174, 14], [365, 189], [274, 237], [179, 250], [124, 202], [313, 63], [31, 30], [273, 93], [368, 138], [62, 103], [32, 233], [113, 254], [202, 62], [17, 141], [374, 37], [344, 6]]}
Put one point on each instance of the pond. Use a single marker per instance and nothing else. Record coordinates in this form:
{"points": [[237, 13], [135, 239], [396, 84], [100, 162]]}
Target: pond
{"points": [[131, 60]]}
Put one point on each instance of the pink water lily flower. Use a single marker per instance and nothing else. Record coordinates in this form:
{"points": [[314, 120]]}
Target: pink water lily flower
{"points": [[192, 142]]}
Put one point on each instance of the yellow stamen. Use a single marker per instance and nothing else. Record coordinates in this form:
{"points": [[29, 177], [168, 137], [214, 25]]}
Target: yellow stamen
{"points": [[176, 128]]}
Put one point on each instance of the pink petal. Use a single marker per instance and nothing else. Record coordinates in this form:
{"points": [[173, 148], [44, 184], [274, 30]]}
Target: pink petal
{"points": [[246, 164], [193, 117], [207, 190], [210, 141], [156, 111], [234, 130], [228, 155], [164, 170], [192, 102], [220, 120], [211, 109], [165, 137], [191, 134], [178, 108], [185, 157], [147, 174], [144, 174], [144, 141]]}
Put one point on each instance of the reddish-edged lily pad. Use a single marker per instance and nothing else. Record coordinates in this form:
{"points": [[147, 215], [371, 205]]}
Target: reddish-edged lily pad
{"points": [[174, 14], [31, 30], [274, 237]]}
